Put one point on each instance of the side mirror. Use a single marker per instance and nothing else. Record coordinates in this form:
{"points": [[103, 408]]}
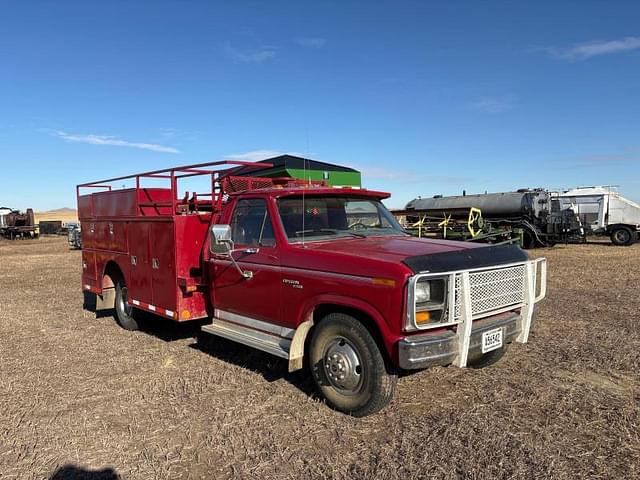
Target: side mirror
{"points": [[221, 242]]}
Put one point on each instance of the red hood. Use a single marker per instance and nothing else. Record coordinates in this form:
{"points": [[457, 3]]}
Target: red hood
{"points": [[388, 248]]}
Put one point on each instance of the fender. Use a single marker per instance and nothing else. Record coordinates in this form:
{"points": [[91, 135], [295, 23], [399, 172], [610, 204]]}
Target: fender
{"points": [[106, 299], [306, 313]]}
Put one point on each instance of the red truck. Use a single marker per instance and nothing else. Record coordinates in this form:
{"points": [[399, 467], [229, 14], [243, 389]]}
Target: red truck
{"points": [[316, 275]]}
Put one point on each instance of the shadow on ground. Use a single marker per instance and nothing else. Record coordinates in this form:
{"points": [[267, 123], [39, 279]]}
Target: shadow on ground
{"points": [[271, 368], [154, 325], [73, 472]]}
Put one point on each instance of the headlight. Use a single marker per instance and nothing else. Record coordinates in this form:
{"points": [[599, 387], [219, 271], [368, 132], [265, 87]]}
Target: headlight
{"points": [[429, 303], [430, 293], [423, 292]]}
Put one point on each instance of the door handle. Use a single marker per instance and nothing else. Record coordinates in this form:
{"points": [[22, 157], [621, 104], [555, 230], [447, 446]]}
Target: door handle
{"points": [[250, 251]]}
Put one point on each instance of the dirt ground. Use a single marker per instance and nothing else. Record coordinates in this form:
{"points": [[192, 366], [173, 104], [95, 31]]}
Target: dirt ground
{"points": [[82, 398]]}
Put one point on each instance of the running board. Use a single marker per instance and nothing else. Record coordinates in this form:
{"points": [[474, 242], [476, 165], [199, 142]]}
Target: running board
{"points": [[266, 342]]}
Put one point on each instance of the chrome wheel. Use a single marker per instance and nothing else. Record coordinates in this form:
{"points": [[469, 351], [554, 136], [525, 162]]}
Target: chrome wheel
{"points": [[343, 366]]}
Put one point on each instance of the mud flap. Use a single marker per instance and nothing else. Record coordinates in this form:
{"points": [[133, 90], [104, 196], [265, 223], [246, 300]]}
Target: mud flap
{"points": [[107, 300]]}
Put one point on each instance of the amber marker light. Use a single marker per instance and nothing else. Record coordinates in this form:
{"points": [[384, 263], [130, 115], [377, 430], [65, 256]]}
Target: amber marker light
{"points": [[423, 317], [384, 282]]}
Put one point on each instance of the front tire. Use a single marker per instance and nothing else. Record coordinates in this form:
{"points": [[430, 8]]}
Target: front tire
{"points": [[124, 312], [348, 367]]}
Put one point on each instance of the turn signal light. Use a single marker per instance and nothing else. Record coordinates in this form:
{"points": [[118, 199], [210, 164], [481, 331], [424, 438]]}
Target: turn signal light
{"points": [[423, 317], [384, 282]]}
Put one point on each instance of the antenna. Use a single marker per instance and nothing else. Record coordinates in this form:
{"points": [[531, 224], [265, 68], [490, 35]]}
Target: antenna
{"points": [[304, 178], [304, 174]]}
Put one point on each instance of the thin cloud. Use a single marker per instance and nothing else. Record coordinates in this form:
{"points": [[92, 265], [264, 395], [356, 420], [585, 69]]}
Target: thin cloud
{"points": [[607, 159], [408, 176], [494, 105], [382, 173], [176, 134], [584, 51], [255, 155], [311, 42], [260, 55], [113, 141]]}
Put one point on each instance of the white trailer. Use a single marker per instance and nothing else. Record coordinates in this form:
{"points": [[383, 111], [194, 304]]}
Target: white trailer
{"points": [[4, 211], [604, 212]]}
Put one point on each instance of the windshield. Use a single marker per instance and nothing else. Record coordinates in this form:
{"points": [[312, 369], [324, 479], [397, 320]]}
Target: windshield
{"points": [[319, 218]]}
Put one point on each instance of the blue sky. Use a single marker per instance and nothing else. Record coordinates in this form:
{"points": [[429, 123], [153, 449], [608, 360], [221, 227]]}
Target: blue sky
{"points": [[424, 97]]}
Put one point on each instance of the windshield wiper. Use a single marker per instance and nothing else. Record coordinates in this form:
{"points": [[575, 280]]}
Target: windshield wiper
{"points": [[331, 231], [317, 230]]}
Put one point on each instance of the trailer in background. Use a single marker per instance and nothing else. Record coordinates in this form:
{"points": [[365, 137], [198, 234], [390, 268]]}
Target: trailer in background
{"points": [[604, 212], [50, 227], [536, 215], [15, 224], [471, 227]]}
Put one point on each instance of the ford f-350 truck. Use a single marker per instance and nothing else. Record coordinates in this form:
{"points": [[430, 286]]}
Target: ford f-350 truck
{"points": [[317, 275]]}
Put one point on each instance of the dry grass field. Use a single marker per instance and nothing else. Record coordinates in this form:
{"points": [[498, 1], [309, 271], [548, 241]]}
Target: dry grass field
{"points": [[82, 398], [61, 214]]}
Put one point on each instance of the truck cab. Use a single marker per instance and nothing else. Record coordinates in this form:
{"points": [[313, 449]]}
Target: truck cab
{"points": [[321, 277]]}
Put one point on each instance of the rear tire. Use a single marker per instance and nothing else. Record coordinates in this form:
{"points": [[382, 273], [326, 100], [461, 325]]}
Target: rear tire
{"points": [[348, 367], [124, 312], [622, 236], [528, 239]]}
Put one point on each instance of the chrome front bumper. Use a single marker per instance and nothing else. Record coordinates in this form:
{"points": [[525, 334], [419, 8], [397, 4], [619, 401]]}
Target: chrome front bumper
{"points": [[429, 350]]}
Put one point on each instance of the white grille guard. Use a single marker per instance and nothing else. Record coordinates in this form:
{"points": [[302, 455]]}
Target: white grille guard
{"points": [[527, 283]]}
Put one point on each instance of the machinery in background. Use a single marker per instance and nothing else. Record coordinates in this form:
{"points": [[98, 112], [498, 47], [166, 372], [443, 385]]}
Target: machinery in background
{"points": [[604, 212], [15, 224], [51, 227], [472, 228], [534, 218], [74, 235]]}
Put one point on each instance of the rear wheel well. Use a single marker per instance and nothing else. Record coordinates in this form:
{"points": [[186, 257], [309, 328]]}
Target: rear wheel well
{"points": [[321, 311], [112, 273]]}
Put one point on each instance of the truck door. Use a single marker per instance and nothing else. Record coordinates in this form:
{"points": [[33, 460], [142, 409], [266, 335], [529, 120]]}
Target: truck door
{"points": [[163, 272], [139, 283], [244, 300]]}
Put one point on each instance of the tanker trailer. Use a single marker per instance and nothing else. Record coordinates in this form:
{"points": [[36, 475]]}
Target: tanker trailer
{"points": [[534, 212]]}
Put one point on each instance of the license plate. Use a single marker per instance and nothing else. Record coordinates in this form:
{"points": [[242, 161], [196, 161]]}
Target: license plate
{"points": [[491, 340]]}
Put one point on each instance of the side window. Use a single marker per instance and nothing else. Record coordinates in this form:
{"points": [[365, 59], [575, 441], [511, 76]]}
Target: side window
{"points": [[251, 224]]}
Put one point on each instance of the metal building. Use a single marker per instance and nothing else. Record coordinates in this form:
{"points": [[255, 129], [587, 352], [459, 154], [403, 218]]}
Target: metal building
{"points": [[306, 169]]}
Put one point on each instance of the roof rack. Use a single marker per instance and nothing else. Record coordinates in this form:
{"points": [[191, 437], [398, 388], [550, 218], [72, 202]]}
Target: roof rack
{"points": [[214, 169]]}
